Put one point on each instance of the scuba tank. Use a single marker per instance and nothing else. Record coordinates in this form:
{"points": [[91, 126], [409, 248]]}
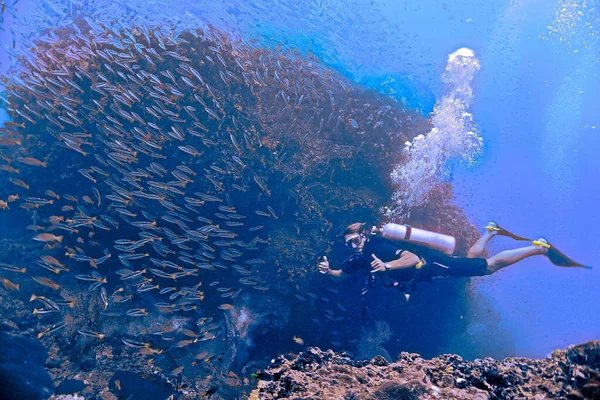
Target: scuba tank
{"points": [[438, 241]]}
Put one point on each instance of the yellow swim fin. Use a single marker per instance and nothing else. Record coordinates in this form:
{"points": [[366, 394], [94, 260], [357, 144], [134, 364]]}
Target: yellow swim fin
{"points": [[557, 257], [494, 227]]}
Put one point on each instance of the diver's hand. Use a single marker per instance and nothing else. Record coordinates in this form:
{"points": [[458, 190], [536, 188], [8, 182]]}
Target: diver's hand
{"points": [[324, 266], [377, 264]]}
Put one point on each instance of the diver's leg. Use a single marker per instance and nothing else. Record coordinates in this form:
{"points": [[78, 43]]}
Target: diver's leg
{"points": [[477, 249], [509, 257]]}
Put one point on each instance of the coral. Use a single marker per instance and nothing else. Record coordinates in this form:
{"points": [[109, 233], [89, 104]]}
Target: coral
{"points": [[397, 390], [371, 341]]}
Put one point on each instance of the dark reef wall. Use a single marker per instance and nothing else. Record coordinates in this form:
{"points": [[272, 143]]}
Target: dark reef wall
{"points": [[22, 373]]}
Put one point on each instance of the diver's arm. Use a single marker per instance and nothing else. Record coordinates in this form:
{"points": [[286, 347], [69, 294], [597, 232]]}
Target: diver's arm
{"points": [[324, 268], [406, 260]]}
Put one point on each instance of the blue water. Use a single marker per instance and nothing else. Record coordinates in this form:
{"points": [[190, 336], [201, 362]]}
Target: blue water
{"points": [[535, 104]]}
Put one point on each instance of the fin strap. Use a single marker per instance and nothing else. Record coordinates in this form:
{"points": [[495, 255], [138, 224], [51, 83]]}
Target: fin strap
{"points": [[541, 244]]}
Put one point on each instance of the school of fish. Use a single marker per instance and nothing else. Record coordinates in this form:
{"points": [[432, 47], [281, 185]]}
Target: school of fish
{"points": [[137, 165]]}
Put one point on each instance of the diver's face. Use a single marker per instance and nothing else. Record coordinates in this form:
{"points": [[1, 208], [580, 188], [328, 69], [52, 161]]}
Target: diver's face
{"points": [[355, 241]]}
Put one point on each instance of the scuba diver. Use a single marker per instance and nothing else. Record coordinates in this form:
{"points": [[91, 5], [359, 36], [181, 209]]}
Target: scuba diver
{"points": [[404, 255]]}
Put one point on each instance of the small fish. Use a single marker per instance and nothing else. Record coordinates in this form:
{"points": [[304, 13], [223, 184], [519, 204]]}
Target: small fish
{"points": [[51, 268], [46, 301], [55, 219], [137, 312], [88, 200], [127, 274], [50, 193], [6, 141], [183, 343], [147, 288], [9, 285], [48, 237], [204, 321], [43, 311], [298, 340], [93, 277], [92, 334], [167, 290], [12, 268], [69, 303], [19, 182], [177, 371], [189, 333], [8, 168], [46, 282], [135, 344], [100, 260], [51, 330], [32, 161], [272, 212], [104, 297], [87, 173], [226, 307]]}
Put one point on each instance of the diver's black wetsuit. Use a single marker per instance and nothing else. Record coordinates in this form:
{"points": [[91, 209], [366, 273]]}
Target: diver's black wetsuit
{"points": [[437, 263]]}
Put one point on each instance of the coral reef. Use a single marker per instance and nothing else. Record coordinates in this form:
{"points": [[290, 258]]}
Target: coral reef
{"points": [[566, 374]]}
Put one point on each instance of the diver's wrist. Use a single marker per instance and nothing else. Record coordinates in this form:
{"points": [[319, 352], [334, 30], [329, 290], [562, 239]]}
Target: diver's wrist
{"points": [[388, 266]]}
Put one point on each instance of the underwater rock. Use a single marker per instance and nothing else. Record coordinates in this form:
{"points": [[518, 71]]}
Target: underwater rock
{"points": [[67, 397], [572, 373], [396, 390], [586, 354], [22, 373], [87, 363], [128, 385], [69, 386]]}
